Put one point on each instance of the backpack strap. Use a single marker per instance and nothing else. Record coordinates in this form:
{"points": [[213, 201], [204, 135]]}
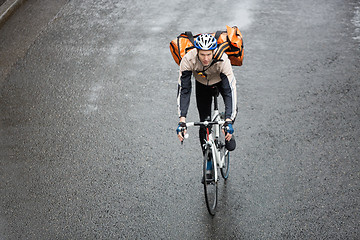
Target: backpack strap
{"points": [[190, 36], [220, 50], [217, 34], [191, 39], [222, 47]]}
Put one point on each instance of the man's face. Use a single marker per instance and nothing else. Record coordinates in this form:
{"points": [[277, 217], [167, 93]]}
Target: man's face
{"points": [[205, 57]]}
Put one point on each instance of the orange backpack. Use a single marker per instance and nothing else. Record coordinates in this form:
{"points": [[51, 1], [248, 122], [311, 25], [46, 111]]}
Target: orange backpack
{"points": [[229, 41]]}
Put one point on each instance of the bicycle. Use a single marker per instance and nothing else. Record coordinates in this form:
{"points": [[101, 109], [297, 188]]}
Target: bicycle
{"points": [[215, 156]]}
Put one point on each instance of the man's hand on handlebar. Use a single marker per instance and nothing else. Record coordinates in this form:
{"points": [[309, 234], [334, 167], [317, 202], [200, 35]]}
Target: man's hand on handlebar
{"points": [[181, 129], [228, 129]]}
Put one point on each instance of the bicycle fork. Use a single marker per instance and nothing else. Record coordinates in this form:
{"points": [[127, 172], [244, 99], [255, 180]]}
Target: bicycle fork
{"points": [[210, 143]]}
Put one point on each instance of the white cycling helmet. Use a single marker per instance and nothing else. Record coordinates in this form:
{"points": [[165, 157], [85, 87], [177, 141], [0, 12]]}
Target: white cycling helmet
{"points": [[205, 42]]}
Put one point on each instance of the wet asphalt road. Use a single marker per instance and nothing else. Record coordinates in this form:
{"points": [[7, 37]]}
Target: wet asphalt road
{"points": [[88, 116]]}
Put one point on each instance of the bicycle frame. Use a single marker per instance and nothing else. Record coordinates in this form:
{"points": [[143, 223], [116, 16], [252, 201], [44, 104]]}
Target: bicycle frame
{"points": [[213, 136], [211, 142]]}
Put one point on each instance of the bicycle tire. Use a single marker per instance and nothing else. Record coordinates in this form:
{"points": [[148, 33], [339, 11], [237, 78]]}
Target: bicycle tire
{"points": [[210, 185], [225, 169]]}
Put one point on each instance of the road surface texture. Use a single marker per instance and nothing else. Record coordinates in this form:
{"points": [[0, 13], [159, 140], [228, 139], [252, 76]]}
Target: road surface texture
{"points": [[88, 148]]}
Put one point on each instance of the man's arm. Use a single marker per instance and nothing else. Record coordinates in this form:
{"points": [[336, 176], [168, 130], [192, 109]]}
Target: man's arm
{"points": [[184, 93], [229, 90]]}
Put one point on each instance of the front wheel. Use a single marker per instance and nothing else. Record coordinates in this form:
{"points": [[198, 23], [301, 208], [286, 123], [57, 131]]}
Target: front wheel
{"points": [[210, 185]]}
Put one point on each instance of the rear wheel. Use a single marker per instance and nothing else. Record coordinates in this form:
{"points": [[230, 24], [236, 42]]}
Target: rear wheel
{"points": [[210, 185]]}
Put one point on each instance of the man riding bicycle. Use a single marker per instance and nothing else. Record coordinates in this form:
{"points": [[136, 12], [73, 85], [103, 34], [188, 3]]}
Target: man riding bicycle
{"points": [[208, 74]]}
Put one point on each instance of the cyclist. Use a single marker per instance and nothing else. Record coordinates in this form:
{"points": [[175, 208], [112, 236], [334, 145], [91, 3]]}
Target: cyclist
{"points": [[208, 74]]}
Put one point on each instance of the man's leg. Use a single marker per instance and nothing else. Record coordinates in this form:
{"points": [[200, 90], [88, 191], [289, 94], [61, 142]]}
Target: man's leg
{"points": [[203, 102]]}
